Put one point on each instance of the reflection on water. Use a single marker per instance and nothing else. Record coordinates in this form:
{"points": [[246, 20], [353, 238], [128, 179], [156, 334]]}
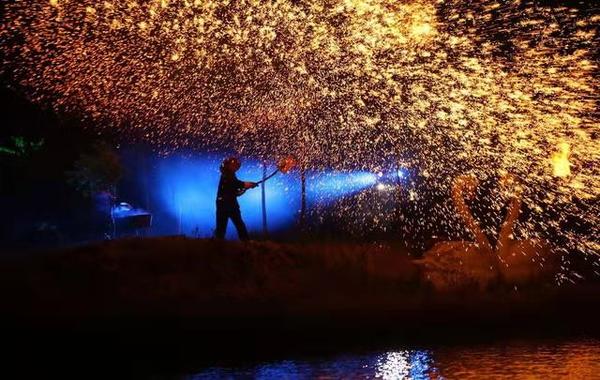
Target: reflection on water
{"points": [[515, 360], [403, 365]]}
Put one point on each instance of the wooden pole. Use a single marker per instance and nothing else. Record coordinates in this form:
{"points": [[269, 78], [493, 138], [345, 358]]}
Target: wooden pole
{"points": [[399, 191], [179, 219], [264, 200], [303, 199]]}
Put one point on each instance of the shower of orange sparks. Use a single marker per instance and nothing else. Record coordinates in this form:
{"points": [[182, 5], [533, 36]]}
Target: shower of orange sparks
{"points": [[484, 86]]}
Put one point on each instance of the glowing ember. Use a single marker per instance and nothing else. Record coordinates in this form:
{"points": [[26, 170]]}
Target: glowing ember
{"points": [[286, 164], [560, 161], [445, 87]]}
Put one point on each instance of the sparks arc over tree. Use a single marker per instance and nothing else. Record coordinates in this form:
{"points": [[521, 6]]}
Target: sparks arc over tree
{"points": [[446, 86]]}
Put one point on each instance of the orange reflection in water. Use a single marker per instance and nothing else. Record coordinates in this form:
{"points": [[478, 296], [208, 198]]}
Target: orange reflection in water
{"points": [[572, 360]]}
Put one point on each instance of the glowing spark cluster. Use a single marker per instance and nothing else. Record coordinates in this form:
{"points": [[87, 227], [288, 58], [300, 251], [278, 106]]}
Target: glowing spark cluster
{"points": [[560, 161], [445, 87]]}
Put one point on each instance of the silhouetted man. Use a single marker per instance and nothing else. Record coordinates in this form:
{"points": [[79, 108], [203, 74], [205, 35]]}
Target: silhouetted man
{"points": [[227, 205]]}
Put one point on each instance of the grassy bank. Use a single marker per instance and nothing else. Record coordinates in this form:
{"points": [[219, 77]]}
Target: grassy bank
{"points": [[190, 277], [193, 280]]}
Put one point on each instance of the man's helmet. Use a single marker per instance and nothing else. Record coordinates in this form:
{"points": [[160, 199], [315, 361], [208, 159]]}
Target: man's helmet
{"points": [[231, 164]]}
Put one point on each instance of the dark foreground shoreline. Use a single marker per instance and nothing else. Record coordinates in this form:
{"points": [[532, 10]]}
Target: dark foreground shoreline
{"points": [[169, 306], [169, 347]]}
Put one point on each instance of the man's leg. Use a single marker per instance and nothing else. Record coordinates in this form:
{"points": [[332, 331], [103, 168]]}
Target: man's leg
{"points": [[236, 218], [221, 222]]}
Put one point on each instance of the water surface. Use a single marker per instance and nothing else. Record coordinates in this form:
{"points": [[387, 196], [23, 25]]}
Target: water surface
{"points": [[565, 359]]}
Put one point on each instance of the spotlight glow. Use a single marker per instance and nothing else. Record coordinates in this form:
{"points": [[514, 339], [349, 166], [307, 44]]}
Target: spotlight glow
{"points": [[329, 186], [187, 192]]}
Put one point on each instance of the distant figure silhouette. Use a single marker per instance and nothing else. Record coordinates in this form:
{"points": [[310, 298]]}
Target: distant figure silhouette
{"points": [[230, 187]]}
